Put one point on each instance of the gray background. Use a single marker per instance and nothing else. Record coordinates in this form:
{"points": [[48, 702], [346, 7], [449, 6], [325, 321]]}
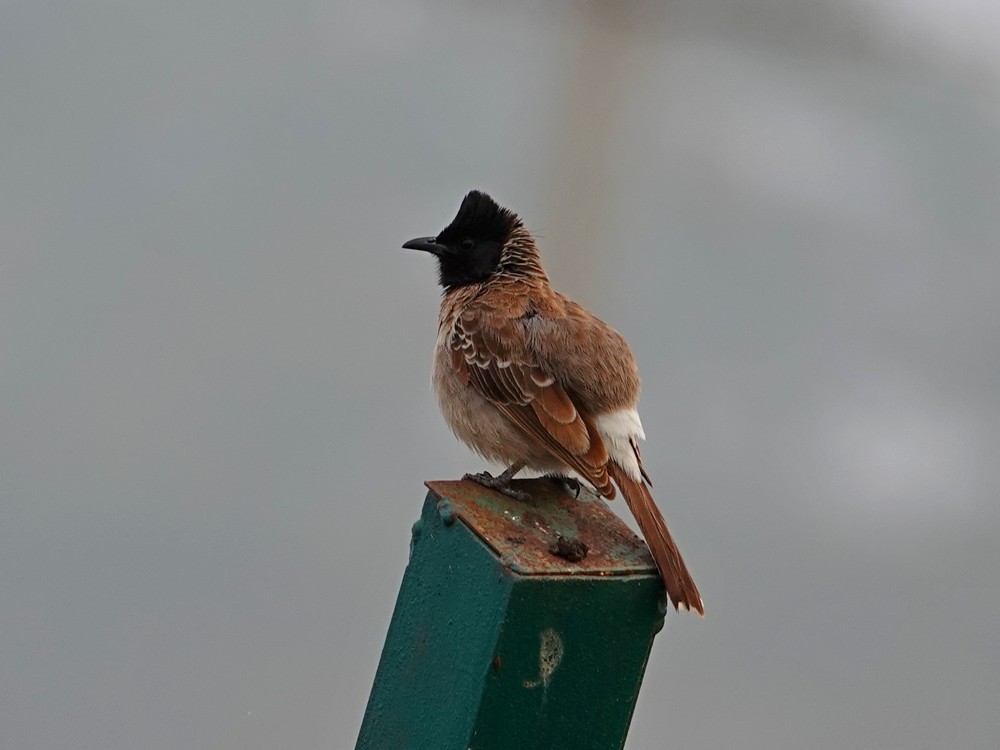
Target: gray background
{"points": [[214, 356]]}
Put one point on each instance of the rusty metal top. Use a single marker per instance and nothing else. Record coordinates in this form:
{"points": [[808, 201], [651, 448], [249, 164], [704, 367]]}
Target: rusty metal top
{"points": [[543, 536]]}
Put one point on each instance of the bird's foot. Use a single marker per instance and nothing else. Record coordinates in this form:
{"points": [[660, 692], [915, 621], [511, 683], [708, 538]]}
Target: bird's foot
{"points": [[499, 483], [571, 485]]}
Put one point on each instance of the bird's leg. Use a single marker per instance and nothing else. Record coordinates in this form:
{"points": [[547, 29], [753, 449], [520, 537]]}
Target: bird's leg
{"points": [[501, 483]]}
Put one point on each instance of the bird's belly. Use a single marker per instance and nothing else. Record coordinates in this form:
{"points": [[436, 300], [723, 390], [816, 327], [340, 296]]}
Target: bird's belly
{"points": [[481, 426]]}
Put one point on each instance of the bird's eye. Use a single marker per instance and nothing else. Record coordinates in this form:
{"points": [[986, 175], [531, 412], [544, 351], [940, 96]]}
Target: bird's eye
{"points": [[468, 243]]}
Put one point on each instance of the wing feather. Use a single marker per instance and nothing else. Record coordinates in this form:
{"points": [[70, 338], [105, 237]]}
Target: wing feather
{"points": [[491, 353]]}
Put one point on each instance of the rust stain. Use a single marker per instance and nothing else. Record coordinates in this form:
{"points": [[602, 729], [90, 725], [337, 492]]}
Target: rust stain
{"points": [[523, 533]]}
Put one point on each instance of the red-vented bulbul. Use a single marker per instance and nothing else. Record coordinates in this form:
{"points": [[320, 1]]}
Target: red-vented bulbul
{"points": [[529, 378]]}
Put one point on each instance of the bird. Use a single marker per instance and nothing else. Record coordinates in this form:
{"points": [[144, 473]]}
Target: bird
{"points": [[530, 379]]}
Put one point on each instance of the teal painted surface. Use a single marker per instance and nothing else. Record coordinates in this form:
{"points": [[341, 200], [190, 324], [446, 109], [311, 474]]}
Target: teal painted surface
{"points": [[480, 656], [572, 656], [440, 644]]}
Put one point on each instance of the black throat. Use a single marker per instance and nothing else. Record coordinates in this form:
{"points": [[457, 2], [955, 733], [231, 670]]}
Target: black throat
{"points": [[471, 267]]}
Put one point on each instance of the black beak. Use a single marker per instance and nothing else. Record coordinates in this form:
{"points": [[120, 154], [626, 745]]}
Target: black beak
{"points": [[427, 244]]}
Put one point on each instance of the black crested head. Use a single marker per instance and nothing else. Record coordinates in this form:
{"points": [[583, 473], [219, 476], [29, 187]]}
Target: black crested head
{"points": [[470, 248], [481, 218]]}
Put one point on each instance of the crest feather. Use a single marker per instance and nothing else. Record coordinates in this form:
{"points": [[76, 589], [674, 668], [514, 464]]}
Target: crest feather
{"points": [[482, 217]]}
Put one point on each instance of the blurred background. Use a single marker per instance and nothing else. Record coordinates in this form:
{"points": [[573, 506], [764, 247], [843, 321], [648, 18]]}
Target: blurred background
{"points": [[215, 413]]}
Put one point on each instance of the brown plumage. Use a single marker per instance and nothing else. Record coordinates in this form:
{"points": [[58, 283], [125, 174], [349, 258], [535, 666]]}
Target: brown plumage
{"points": [[529, 378]]}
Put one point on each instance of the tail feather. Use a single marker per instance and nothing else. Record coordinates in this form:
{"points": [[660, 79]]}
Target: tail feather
{"points": [[680, 586]]}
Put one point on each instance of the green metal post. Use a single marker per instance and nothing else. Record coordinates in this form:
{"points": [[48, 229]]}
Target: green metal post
{"points": [[518, 625]]}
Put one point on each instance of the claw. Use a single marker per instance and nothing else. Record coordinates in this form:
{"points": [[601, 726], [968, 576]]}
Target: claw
{"points": [[501, 484], [569, 484]]}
